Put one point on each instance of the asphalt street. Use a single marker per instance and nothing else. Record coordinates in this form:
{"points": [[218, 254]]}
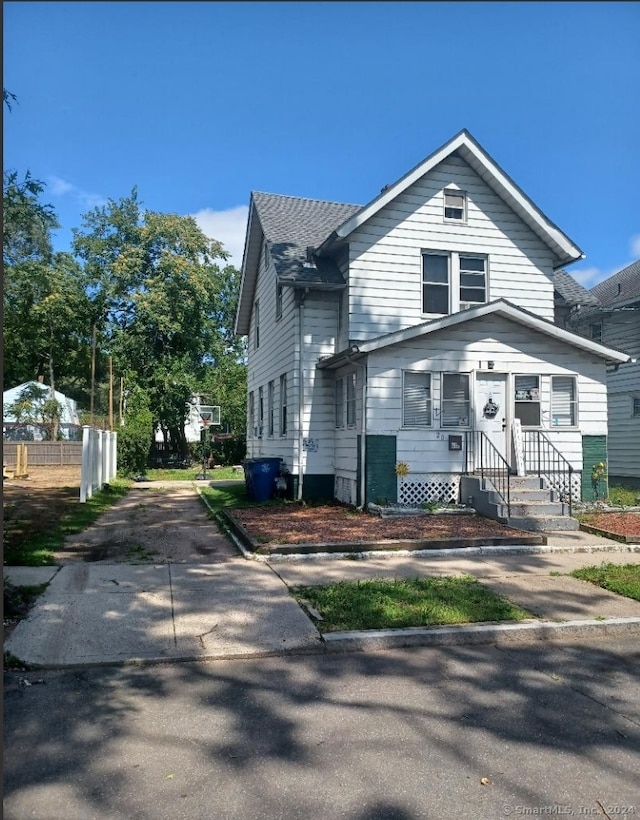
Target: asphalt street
{"points": [[455, 732]]}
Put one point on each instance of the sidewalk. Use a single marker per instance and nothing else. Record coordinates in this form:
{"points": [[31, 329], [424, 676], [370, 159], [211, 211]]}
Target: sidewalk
{"points": [[95, 614]]}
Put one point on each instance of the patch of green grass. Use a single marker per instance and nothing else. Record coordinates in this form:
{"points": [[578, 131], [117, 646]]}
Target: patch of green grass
{"points": [[621, 496], [18, 600], [624, 579], [139, 554], [37, 550], [189, 474], [219, 497], [381, 604]]}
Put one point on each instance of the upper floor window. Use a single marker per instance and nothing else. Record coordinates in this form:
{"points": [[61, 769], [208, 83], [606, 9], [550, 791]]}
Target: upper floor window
{"points": [[416, 399], [256, 320], [454, 410], [278, 300], [527, 400], [455, 206], [435, 283], [563, 401], [595, 331], [473, 280], [635, 406]]}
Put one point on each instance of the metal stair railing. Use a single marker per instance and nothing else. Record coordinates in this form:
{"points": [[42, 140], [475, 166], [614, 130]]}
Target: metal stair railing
{"points": [[483, 457], [543, 458]]}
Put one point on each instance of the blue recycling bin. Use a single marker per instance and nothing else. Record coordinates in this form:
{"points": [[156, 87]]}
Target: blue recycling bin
{"points": [[260, 477]]}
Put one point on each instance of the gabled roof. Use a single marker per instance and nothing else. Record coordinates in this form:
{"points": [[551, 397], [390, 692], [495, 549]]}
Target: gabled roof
{"points": [[498, 308], [289, 225], [572, 292], [621, 289], [465, 146]]}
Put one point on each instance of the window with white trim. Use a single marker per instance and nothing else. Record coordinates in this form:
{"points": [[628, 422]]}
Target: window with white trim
{"points": [[473, 280], [351, 399], [564, 404], [435, 283], [416, 399], [339, 402], [260, 411], [270, 392], [454, 401], [455, 206], [283, 404], [527, 400]]}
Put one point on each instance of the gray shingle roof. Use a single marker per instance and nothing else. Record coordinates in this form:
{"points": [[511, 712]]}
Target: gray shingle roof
{"points": [[621, 288], [571, 291], [291, 225]]}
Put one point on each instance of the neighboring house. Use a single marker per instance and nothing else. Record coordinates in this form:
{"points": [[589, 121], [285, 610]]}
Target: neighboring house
{"points": [[198, 417], [614, 320], [417, 329], [69, 420]]}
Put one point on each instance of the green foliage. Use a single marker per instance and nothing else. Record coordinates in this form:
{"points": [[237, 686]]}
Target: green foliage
{"points": [[621, 496], [381, 604], [623, 579], [36, 406], [134, 439]]}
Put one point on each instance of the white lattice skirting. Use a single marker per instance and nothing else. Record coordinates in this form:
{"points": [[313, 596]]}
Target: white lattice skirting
{"points": [[421, 488], [345, 489], [558, 482]]}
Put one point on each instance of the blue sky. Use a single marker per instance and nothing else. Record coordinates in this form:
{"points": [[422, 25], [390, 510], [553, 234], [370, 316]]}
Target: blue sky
{"points": [[199, 103]]}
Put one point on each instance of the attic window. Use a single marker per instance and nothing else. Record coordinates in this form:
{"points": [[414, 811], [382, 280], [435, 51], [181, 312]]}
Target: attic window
{"points": [[595, 331], [455, 206]]}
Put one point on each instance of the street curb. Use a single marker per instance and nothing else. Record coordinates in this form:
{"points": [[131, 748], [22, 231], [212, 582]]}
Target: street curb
{"points": [[479, 634]]}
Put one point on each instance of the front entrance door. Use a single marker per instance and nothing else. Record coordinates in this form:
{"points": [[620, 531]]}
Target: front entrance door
{"points": [[491, 409]]}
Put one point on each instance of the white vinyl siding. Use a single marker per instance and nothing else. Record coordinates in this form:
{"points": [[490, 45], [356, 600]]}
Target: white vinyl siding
{"points": [[351, 399], [385, 266], [416, 400], [256, 313], [564, 405], [455, 400], [339, 403]]}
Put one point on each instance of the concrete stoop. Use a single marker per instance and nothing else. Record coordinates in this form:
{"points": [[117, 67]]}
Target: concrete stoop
{"points": [[533, 505]]}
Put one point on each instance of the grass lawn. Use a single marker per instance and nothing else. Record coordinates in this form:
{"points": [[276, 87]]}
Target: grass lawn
{"points": [[621, 496], [189, 474], [621, 578], [219, 497], [381, 604], [37, 550]]}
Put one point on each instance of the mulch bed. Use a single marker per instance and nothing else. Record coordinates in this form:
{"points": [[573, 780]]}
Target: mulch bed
{"points": [[623, 526], [293, 524]]}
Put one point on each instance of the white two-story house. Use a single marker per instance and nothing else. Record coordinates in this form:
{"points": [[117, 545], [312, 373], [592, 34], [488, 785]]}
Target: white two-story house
{"points": [[416, 330]]}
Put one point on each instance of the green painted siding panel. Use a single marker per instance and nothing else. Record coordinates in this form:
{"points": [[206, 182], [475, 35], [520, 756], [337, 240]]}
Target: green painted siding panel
{"points": [[318, 487], [594, 450], [380, 467]]}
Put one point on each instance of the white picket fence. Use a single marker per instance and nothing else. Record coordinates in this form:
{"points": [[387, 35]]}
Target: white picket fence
{"points": [[99, 460]]}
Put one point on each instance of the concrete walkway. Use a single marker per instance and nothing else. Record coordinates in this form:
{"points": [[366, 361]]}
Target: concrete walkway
{"points": [[93, 614]]}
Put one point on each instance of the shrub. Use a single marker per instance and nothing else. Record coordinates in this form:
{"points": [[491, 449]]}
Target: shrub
{"points": [[134, 439]]}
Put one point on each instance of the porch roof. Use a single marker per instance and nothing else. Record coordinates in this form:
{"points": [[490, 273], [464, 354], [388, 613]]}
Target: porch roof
{"points": [[500, 307]]}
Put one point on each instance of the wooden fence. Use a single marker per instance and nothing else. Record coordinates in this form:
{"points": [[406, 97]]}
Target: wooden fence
{"points": [[45, 453]]}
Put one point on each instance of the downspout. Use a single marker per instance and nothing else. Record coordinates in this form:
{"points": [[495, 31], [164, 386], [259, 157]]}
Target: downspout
{"points": [[301, 299]]}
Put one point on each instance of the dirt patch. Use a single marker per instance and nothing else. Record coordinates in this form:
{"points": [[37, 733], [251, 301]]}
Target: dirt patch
{"points": [[157, 526], [35, 504], [297, 525], [624, 524]]}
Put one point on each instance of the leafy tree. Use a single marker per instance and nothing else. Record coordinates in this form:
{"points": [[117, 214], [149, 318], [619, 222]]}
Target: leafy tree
{"points": [[135, 437], [164, 305]]}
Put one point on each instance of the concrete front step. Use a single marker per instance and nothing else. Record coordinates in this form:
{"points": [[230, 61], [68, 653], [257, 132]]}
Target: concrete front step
{"points": [[543, 523], [536, 509]]}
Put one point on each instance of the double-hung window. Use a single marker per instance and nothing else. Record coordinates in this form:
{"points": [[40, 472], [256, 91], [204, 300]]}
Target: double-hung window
{"points": [[416, 399], [455, 206], [339, 401], [454, 402], [473, 280], [435, 283], [351, 399], [635, 406], [270, 391], [563, 401], [283, 404], [527, 400]]}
